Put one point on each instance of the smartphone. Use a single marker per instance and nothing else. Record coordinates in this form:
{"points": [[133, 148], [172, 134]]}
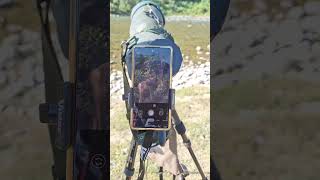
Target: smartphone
{"points": [[151, 81]]}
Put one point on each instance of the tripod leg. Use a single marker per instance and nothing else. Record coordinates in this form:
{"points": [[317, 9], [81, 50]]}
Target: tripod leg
{"points": [[141, 170], [129, 169], [161, 173], [181, 129]]}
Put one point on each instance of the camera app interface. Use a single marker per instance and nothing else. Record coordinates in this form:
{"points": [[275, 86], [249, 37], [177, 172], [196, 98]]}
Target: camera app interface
{"points": [[151, 84]]}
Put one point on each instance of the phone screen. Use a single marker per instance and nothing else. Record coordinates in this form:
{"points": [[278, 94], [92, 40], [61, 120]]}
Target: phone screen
{"points": [[151, 84]]}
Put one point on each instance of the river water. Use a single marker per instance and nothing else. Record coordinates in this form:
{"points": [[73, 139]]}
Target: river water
{"points": [[187, 32]]}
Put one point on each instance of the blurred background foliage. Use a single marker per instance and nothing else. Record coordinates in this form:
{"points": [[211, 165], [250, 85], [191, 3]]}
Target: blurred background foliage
{"points": [[169, 7]]}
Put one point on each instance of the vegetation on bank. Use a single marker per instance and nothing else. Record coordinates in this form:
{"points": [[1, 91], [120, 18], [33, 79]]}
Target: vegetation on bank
{"points": [[169, 7]]}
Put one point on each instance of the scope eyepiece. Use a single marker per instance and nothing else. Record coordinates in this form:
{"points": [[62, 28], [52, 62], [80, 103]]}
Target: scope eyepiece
{"points": [[146, 15], [149, 6]]}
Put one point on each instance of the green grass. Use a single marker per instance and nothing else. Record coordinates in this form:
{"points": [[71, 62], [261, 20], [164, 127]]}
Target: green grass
{"points": [[289, 150], [193, 106]]}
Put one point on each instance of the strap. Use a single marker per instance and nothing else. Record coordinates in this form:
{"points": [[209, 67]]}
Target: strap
{"points": [[146, 145], [159, 31], [126, 45], [52, 78], [47, 45], [145, 148], [43, 9]]}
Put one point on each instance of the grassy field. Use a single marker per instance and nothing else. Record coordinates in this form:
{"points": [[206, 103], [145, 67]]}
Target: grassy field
{"points": [[193, 106], [263, 132]]}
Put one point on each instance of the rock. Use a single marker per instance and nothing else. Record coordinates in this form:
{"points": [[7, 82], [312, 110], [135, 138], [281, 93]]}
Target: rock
{"points": [[311, 23], [202, 58], [199, 52], [12, 40], [26, 49], [286, 3], [10, 91], [262, 19], [198, 48], [283, 36], [24, 76], [279, 16], [315, 49], [31, 37], [259, 140], [3, 22], [7, 54], [309, 107], [3, 79], [112, 164], [13, 28], [260, 5], [9, 64], [295, 13], [234, 12], [38, 75], [5, 146], [295, 66], [312, 8], [6, 3]]}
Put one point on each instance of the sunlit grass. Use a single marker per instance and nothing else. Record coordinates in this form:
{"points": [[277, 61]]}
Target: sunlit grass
{"points": [[274, 136]]}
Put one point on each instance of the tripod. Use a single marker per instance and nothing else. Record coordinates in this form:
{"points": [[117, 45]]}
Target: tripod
{"points": [[181, 130]]}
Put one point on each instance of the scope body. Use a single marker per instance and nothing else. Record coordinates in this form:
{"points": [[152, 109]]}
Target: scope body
{"points": [[147, 28]]}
